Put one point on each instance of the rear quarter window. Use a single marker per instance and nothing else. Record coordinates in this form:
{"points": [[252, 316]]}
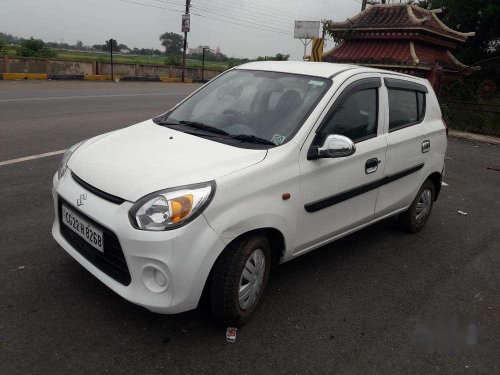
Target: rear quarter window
{"points": [[406, 108]]}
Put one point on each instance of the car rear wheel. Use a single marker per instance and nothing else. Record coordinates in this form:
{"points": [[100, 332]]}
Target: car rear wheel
{"points": [[415, 218], [239, 279]]}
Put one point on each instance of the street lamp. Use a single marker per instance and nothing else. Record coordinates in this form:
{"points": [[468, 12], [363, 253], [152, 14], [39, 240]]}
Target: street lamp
{"points": [[203, 64]]}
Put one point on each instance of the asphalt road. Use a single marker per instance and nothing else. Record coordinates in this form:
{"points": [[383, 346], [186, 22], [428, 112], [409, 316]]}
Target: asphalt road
{"points": [[353, 307]]}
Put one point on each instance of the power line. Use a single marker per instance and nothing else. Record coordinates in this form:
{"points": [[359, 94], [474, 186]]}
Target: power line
{"points": [[219, 11], [241, 20], [264, 28], [151, 6], [258, 7]]}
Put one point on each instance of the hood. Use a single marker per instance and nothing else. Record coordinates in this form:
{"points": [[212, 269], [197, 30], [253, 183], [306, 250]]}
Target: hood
{"points": [[146, 157]]}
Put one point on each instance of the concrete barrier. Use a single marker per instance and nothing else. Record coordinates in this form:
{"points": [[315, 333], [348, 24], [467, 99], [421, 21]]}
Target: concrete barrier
{"points": [[66, 77], [93, 70], [23, 76], [100, 77], [141, 79]]}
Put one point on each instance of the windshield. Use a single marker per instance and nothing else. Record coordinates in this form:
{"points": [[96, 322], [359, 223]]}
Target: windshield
{"points": [[247, 105]]}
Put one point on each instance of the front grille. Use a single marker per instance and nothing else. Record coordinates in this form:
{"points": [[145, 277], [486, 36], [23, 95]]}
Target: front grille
{"points": [[111, 262], [109, 197]]}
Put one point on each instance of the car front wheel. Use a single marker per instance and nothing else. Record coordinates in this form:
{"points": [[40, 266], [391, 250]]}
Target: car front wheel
{"points": [[239, 279]]}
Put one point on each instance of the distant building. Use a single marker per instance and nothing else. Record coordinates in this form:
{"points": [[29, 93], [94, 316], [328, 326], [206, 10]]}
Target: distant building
{"points": [[399, 37], [199, 50]]}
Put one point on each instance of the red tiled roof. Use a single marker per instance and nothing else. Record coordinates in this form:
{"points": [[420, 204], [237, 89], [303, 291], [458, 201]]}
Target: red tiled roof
{"points": [[371, 52], [398, 16], [391, 52], [429, 55]]}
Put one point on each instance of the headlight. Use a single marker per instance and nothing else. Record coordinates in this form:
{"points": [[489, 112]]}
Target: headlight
{"points": [[171, 208], [64, 162]]}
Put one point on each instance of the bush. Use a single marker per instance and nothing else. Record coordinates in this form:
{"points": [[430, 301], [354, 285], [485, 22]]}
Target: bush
{"points": [[35, 48], [173, 61]]}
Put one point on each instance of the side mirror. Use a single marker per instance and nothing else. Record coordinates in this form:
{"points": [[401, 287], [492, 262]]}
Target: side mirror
{"points": [[335, 146]]}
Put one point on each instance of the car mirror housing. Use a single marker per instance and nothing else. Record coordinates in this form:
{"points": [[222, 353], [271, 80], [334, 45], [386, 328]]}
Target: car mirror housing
{"points": [[334, 146]]}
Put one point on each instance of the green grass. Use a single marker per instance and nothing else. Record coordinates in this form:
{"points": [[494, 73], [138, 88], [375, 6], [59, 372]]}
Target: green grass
{"points": [[125, 59]]}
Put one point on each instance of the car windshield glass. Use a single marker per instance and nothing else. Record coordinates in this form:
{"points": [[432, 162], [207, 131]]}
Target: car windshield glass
{"points": [[269, 106]]}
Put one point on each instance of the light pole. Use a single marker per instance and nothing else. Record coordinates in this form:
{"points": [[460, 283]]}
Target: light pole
{"points": [[185, 28], [111, 51], [203, 64]]}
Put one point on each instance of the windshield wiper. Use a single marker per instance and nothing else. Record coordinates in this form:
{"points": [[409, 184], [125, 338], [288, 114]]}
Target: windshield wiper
{"points": [[202, 126], [252, 139], [195, 125]]}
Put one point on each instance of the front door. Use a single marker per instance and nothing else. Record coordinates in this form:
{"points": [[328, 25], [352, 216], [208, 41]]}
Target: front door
{"points": [[339, 194]]}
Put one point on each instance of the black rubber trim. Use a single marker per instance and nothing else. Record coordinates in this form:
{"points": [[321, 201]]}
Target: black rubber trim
{"points": [[341, 197], [395, 83], [106, 196]]}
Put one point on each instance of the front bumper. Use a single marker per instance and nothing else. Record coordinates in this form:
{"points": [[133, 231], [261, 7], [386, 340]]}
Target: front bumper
{"points": [[185, 255]]}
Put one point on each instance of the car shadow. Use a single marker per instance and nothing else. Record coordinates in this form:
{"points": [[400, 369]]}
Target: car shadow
{"points": [[336, 257]]}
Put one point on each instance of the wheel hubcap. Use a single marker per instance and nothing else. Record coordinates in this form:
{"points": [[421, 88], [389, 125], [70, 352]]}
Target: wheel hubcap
{"points": [[423, 206], [251, 279]]}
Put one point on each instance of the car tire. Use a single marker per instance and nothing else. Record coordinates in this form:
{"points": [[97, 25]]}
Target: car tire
{"points": [[242, 268], [415, 218]]}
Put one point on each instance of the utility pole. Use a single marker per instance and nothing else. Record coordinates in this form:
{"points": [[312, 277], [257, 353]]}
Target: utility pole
{"points": [[185, 27], [111, 51], [203, 65]]}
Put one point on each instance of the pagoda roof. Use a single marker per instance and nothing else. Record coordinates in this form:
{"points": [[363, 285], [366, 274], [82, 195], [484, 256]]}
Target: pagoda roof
{"points": [[394, 53], [399, 17]]}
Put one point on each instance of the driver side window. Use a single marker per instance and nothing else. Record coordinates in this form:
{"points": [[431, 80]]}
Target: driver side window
{"points": [[356, 117]]}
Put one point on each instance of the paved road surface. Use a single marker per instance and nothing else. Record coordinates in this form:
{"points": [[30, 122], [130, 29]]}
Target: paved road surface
{"points": [[350, 307]]}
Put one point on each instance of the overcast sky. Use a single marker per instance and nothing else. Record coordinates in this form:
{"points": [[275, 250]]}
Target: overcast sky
{"points": [[94, 21]]}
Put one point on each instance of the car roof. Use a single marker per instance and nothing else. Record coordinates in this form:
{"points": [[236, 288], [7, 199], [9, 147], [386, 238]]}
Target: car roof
{"points": [[317, 69]]}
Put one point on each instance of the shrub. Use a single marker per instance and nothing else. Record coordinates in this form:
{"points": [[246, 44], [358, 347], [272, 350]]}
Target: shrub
{"points": [[173, 61], [35, 48]]}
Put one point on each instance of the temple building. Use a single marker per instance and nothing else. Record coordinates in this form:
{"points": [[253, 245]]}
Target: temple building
{"points": [[399, 37]]}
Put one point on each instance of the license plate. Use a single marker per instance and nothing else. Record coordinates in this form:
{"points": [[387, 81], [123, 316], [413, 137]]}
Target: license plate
{"points": [[83, 228]]}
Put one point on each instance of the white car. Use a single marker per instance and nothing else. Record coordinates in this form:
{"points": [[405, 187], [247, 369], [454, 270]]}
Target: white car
{"points": [[267, 162]]}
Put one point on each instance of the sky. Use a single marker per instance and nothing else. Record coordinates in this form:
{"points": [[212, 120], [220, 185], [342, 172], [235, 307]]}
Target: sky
{"points": [[136, 25]]}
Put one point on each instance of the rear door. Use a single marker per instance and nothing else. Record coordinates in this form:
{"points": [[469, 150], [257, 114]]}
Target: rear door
{"points": [[407, 145], [338, 194]]}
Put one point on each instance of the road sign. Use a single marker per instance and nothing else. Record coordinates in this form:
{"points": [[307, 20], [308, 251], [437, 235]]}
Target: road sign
{"points": [[317, 49], [186, 23], [306, 29]]}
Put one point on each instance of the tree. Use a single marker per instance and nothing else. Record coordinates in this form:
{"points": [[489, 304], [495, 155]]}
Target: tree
{"points": [[277, 57], [115, 45], [3, 44], [35, 48], [281, 57], [172, 42], [79, 45], [480, 16]]}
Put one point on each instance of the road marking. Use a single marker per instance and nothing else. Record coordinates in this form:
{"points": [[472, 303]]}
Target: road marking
{"points": [[87, 97], [33, 157]]}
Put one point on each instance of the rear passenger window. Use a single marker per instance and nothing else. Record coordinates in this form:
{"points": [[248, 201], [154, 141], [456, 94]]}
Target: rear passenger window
{"points": [[406, 107]]}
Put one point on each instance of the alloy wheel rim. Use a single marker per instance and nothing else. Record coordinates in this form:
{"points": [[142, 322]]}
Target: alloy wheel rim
{"points": [[423, 206], [251, 279]]}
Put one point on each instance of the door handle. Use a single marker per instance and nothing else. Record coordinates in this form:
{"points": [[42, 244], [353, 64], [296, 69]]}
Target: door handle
{"points": [[371, 165], [426, 146]]}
